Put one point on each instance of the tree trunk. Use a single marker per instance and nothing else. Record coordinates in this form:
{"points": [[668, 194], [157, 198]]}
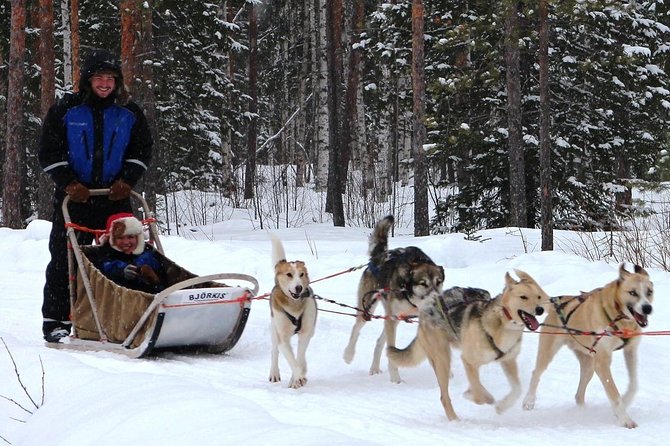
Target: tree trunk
{"points": [[14, 156], [129, 43], [227, 171], [322, 129], [335, 180], [351, 100], [302, 136], [517, 182], [250, 173], [74, 41], [151, 183], [546, 208], [3, 106], [421, 227], [366, 161], [403, 124], [48, 93], [68, 81]]}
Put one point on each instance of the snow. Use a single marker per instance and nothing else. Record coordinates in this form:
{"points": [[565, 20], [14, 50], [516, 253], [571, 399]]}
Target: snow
{"points": [[100, 398]]}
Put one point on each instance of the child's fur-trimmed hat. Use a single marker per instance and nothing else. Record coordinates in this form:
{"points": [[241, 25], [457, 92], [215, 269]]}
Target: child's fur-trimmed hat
{"points": [[122, 224]]}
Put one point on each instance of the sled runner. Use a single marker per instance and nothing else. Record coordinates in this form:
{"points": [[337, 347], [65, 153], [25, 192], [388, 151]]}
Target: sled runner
{"points": [[192, 313]]}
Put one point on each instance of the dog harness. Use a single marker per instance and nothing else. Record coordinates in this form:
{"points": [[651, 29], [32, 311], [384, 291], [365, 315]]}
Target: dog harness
{"points": [[297, 321], [560, 306], [492, 343]]}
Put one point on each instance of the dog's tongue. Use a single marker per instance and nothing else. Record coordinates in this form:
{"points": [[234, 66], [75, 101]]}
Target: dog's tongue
{"points": [[641, 319], [529, 320]]}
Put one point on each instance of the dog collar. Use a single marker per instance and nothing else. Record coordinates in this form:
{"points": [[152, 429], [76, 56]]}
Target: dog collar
{"points": [[507, 313]]}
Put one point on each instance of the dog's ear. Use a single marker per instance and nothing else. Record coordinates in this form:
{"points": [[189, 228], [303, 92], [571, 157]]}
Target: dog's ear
{"points": [[523, 276], [509, 280], [623, 273], [640, 270]]}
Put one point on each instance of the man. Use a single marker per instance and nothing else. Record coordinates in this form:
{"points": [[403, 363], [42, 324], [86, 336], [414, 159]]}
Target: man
{"points": [[90, 140]]}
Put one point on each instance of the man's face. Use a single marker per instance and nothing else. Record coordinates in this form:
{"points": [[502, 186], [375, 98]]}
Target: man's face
{"points": [[126, 243], [103, 84]]}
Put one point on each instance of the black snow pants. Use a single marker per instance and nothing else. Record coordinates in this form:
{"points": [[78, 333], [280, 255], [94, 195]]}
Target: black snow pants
{"points": [[93, 215]]}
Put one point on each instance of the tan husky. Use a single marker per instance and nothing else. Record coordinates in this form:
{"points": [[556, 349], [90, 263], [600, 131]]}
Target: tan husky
{"points": [[609, 315], [401, 279], [292, 311], [485, 330]]}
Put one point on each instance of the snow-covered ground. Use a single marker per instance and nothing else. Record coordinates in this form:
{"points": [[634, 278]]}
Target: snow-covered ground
{"points": [[107, 399]]}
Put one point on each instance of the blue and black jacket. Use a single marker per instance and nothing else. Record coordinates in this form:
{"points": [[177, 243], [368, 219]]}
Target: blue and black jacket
{"points": [[94, 142]]}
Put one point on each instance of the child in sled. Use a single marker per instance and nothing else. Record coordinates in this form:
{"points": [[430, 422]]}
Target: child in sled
{"points": [[125, 258]]}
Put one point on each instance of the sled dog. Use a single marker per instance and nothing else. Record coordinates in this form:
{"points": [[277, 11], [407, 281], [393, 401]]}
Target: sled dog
{"points": [[485, 330], [613, 315], [400, 278], [292, 311]]}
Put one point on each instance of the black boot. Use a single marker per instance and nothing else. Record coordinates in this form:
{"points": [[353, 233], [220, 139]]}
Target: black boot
{"points": [[54, 331]]}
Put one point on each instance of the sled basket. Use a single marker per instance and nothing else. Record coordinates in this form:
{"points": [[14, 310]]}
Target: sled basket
{"points": [[192, 313]]}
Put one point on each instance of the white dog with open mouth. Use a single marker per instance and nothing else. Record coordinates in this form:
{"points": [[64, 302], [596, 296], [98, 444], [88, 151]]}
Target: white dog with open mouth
{"points": [[292, 311]]}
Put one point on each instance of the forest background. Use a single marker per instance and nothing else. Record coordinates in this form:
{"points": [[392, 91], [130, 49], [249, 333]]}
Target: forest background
{"points": [[512, 113]]}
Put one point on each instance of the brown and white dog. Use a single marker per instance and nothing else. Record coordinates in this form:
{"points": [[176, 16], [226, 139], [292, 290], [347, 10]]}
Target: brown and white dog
{"points": [[292, 311], [594, 325], [484, 329], [401, 279]]}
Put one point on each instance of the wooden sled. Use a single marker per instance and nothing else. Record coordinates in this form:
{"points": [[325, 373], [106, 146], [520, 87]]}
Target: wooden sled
{"points": [[192, 314]]}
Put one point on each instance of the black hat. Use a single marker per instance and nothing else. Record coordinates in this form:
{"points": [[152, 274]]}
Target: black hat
{"points": [[100, 60]]}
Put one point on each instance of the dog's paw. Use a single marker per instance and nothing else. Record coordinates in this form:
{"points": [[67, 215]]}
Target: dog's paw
{"points": [[503, 405], [348, 355], [395, 376], [375, 370], [274, 377], [297, 383], [483, 398], [529, 403]]}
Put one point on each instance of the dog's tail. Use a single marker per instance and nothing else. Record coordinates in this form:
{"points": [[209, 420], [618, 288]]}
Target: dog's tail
{"points": [[410, 356], [278, 253], [380, 236]]}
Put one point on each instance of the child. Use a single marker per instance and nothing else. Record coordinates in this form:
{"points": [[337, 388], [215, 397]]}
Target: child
{"points": [[125, 258]]}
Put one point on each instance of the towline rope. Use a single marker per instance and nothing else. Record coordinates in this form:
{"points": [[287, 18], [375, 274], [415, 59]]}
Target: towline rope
{"points": [[625, 334], [400, 317]]}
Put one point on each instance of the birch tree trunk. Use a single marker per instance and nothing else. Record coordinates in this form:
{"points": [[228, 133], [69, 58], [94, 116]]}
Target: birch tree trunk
{"points": [[301, 131], [68, 81], [283, 149], [546, 208], [14, 166], [517, 175], [48, 93], [323, 122], [421, 227]]}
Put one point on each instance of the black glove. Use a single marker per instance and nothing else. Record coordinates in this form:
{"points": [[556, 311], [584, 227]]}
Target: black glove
{"points": [[119, 190], [130, 272], [77, 192]]}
